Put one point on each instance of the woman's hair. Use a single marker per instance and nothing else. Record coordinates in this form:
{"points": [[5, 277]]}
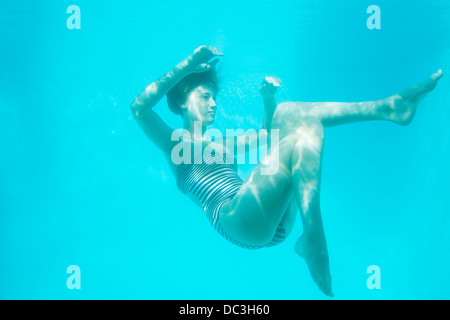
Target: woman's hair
{"points": [[178, 94]]}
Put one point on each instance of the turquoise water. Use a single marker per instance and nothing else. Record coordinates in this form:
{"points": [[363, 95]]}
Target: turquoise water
{"points": [[81, 185]]}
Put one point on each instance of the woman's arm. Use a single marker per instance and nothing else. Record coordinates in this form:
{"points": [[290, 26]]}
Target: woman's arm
{"points": [[262, 136], [141, 108], [268, 89], [148, 98]]}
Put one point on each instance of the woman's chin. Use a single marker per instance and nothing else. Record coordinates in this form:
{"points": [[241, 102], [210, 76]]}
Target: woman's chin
{"points": [[209, 121]]}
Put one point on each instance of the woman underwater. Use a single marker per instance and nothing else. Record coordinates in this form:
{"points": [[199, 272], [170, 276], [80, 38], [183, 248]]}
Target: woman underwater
{"points": [[260, 211]]}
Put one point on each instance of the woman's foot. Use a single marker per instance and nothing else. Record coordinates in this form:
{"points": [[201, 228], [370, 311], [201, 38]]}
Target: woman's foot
{"points": [[314, 250], [403, 105]]}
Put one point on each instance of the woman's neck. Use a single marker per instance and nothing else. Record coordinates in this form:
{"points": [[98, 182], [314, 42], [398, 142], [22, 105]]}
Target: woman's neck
{"points": [[195, 128]]}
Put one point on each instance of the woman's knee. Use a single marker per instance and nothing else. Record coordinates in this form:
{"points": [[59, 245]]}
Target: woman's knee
{"points": [[310, 135]]}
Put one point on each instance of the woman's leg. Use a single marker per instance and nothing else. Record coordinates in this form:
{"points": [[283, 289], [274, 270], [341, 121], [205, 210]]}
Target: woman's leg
{"points": [[254, 214], [263, 201], [306, 168], [399, 108], [308, 121]]}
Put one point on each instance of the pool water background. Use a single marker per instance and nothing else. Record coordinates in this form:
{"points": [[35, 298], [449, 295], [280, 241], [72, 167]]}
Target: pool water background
{"points": [[81, 185]]}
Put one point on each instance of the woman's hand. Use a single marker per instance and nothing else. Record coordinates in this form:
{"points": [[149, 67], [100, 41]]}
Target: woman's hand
{"points": [[199, 60], [269, 86]]}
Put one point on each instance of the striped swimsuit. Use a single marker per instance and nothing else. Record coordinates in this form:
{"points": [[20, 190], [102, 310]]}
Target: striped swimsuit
{"points": [[214, 184]]}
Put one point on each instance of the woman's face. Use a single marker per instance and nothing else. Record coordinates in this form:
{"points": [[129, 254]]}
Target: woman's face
{"points": [[200, 105]]}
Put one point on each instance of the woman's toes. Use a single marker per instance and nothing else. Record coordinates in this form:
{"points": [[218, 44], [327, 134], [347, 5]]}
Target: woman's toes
{"points": [[438, 75]]}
